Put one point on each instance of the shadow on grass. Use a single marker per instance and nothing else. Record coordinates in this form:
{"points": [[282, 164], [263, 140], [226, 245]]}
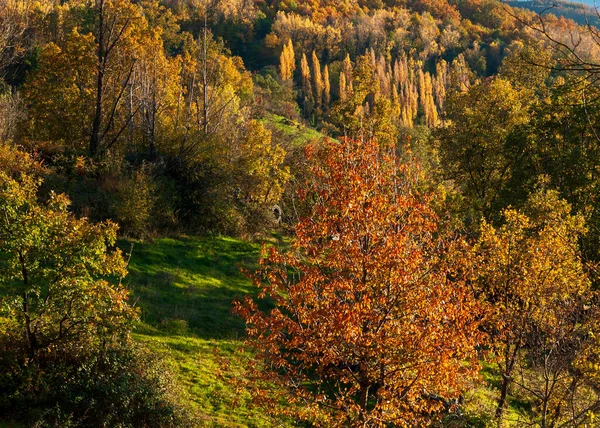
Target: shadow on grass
{"points": [[187, 285]]}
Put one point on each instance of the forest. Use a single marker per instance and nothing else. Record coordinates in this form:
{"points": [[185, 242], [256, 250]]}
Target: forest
{"points": [[353, 213]]}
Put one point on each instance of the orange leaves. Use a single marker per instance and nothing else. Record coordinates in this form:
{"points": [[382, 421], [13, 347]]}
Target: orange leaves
{"points": [[371, 309]]}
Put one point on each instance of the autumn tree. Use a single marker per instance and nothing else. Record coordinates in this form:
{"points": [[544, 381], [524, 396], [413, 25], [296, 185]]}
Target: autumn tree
{"points": [[326, 86], [363, 112], [215, 89], [317, 79], [87, 79], [372, 321], [345, 79], [64, 82], [426, 99], [152, 97], [307, 87], [533, 282], [117, 33], [287, 61]]}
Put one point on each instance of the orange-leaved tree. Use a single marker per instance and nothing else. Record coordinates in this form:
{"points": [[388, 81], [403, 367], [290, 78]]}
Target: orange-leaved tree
{"points": [[372, 322]]}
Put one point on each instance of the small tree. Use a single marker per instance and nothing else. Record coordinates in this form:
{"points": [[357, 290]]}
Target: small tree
{"points": [[65, 351], [372, 321], [536, 290], [51, 266]]}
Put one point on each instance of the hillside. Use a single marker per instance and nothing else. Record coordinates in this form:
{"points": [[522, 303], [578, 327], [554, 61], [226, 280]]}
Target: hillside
{"points": [[581, 13], [422, 175], [185, 288]]}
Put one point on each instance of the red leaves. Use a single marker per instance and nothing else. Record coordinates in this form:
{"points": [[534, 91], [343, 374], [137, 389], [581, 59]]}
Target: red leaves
{"points": [[367, 323]]}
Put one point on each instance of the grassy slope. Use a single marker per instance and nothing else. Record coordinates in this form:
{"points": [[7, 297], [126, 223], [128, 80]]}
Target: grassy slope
{"points": [[290, 133], [184, 288]]}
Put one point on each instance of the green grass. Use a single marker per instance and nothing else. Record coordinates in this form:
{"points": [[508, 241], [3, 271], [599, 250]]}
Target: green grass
{"points": [[184, 288], [294, 133]]}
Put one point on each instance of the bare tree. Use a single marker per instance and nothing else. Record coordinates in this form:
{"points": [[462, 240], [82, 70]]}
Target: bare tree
{"points": [[13, 25], [113, 28]]}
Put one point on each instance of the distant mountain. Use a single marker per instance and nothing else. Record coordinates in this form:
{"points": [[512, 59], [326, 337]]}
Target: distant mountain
{"points": [[583, 11]]}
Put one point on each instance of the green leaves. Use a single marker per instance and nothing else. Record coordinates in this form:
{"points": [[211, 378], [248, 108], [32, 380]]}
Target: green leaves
{"points": [[51, 272]]}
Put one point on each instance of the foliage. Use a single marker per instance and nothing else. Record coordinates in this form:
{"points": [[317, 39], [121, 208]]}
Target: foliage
{"points": [[63, 83], [373, 321], [64, 336], [478, 146], [15, 162], [535, 287], [135, 202]]}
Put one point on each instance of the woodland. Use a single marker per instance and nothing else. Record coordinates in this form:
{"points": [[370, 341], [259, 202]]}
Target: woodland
{"points": [[354, 213]]}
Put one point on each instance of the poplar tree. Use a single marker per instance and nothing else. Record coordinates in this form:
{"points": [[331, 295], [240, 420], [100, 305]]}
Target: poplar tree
{"points": [[306, 85], [426, 99], [326, 86], [343, 86], [287, 61], [317, 78]]}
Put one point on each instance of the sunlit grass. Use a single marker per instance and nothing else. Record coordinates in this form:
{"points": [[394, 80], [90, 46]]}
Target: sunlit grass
{"points": [[184, 289]]}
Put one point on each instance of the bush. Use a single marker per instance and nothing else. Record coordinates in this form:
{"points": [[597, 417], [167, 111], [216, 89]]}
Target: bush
{"points": [[66, 357], [123, 385]]}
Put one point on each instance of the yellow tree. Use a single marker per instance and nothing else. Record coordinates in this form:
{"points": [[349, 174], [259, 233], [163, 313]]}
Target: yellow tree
{"points": [[317, 79], [287, 61], [373, 323], [363, 113], [214, 92], [118, 31], [348, 70], [152, 95], [88, 79], [326, 86], [343, 86], [64, 83], [259, 174], [426, 99], [306, 85], [534, 285]]}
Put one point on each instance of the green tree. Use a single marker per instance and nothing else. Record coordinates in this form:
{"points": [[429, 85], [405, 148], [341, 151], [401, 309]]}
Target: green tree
{"points": [[51, 270], [475, 144], [65, 349]]}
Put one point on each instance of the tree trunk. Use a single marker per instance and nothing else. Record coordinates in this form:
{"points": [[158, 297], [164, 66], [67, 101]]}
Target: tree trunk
{"points": [[95, 139], [502, 399]]}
